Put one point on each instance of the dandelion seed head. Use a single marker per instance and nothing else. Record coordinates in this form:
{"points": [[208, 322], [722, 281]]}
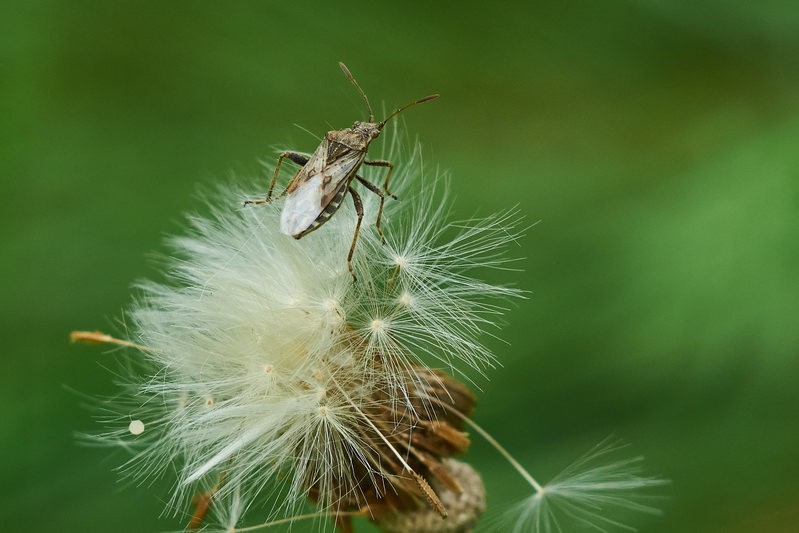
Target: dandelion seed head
{"points": [[269, 378], [266, 361]]}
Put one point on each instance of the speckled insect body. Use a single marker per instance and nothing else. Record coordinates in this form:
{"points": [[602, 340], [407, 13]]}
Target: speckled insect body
{"points": [[318, 189]]}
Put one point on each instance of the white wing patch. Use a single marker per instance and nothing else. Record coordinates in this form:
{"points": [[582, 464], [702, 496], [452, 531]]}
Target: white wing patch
{"points": [[302, 206]]}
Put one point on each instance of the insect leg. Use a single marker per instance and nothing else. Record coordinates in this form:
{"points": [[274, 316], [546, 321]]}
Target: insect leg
{"points": [[383, 163], [356, 199], [298, 158], [375, 189], [390, 165]]}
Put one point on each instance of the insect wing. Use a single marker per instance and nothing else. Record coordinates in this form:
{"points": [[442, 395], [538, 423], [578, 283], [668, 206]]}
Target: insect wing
{"points": [[317, 194], [302, 206], [340, 170]]}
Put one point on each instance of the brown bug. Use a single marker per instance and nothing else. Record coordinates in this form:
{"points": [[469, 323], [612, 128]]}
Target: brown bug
{"points": [[317, 190]]}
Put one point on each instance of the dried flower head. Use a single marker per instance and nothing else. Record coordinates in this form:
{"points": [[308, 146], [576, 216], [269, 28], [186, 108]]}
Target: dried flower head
{"points": [[267, 377], [268, 371]]}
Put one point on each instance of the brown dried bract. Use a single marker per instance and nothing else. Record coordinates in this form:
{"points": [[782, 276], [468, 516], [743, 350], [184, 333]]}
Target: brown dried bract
{"points": [[202, 504], [98, 337], [416, 433]]}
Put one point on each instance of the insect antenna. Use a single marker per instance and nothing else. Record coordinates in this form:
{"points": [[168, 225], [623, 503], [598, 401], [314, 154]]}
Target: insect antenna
{"points": [[403, 108], [365, 99]]}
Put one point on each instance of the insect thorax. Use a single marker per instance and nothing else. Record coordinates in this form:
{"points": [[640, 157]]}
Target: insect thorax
{"points": [[357, 137]]}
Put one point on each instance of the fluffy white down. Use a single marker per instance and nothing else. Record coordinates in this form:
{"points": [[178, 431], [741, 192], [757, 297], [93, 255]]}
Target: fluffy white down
{"points": [[254, 329]]}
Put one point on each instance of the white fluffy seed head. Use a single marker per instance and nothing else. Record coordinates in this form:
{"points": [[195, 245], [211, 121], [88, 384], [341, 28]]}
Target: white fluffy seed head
{"points": [[262, 349]]}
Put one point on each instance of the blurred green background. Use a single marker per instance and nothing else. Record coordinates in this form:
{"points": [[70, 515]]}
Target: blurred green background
{"points": [[657, 143]]}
